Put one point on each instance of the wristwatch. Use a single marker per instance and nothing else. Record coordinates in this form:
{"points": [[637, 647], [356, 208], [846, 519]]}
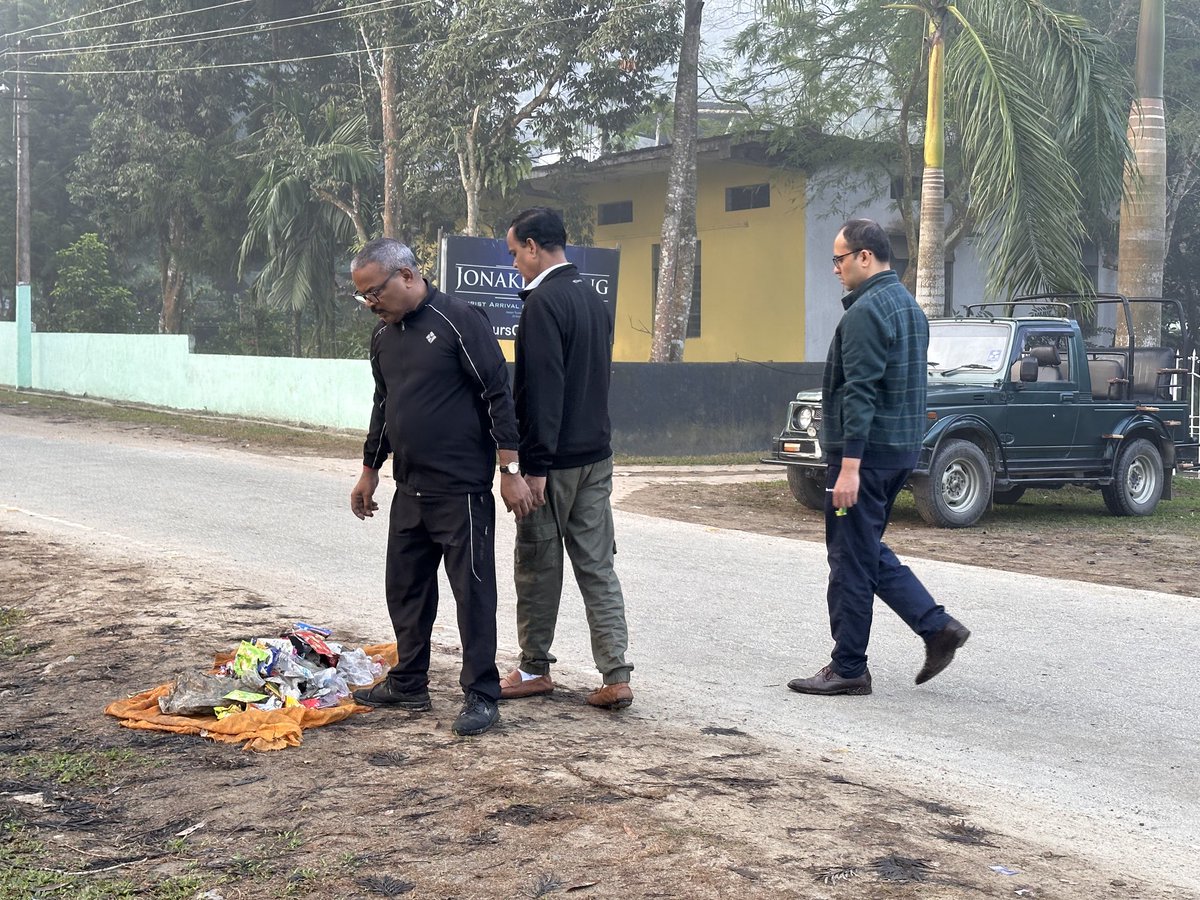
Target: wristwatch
{"points": [[512, 468]]}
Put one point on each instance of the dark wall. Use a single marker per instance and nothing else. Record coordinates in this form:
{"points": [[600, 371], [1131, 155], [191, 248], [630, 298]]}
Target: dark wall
{"points": [[677, 409]]}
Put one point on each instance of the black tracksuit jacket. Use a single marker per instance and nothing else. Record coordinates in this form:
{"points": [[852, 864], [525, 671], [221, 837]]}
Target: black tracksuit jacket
{"points": [[442, 401], [563, 368]]}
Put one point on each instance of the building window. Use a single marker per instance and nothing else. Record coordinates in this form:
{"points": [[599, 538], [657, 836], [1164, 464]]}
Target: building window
{"points": [[899, 254], [749, 196], [614, 213], [914, 188], [693, 326]]}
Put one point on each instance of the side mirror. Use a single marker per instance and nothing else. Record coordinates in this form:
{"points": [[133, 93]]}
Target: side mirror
{"points": [[1029, 368]]}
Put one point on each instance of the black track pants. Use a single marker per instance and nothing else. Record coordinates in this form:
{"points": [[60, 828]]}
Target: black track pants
{"points": [[424, 530]]}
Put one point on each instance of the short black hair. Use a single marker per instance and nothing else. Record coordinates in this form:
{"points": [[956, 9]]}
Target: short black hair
{"points": [[542, 224], [867, 234]]}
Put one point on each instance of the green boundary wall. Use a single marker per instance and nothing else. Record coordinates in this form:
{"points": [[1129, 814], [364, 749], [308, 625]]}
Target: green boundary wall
{"points": [[658, 409], [160, 370]]}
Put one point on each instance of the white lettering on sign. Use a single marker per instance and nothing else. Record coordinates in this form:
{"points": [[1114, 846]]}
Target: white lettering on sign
{"points": [[505, 278]]}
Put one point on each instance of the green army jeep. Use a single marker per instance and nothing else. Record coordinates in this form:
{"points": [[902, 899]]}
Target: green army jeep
{"points": [[1040, 391]]}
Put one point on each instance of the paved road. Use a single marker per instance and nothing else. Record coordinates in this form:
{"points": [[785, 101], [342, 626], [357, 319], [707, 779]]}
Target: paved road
{"points": [[1072, 717]]}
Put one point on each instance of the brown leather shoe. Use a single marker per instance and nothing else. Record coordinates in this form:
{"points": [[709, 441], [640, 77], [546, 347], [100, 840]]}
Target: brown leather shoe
{"points": [[514, 687], [611, 696], [828, 681], [940, 649]]}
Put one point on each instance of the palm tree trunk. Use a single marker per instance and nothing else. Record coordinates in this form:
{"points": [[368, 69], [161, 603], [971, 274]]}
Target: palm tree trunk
{"points": [[1142, 243], [677, 257], [931, 252]]}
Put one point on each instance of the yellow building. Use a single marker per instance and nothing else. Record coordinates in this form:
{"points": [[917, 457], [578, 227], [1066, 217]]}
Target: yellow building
{"points": [[750, 217]]}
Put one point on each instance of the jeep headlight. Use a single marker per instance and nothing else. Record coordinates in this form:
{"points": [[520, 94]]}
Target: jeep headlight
{"points": [[802, 418]]}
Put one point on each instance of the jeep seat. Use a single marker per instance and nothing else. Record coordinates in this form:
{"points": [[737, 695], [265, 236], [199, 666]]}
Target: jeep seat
{"points": [[1149, 378], [1049, 364], [1108, 377]]}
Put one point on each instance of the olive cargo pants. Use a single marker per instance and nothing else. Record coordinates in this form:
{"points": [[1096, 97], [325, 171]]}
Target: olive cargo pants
{"points": [[578, 517]]}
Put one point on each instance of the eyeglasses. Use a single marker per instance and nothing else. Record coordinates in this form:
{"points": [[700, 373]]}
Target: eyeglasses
{"points": [[366, 298], [837, 260]]}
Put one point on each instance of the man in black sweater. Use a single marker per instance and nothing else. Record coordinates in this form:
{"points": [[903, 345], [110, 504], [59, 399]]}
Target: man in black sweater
{"points": [[564, 361], [442, 408]]}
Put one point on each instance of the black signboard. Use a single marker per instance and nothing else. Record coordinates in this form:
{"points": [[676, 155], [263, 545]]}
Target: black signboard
{"points": [[480, 270]]}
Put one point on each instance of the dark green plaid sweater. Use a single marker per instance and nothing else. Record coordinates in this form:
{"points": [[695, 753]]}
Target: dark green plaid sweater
{"points": [[873, 397]]}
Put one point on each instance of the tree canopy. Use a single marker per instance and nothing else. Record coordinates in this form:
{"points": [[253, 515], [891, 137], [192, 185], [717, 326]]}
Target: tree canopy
{"points": [[241, 152]]}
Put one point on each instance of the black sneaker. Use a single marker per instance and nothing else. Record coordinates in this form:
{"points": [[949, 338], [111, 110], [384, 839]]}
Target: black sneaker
{"points": [[479, 713], [383, 694]]}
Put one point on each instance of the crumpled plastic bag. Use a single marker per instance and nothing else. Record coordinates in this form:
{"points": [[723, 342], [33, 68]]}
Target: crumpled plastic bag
{"points": [[358, 668], [197, 693], [327, 687]]}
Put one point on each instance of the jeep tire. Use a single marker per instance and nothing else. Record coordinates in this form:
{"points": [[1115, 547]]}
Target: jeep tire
{"points": [[1137, 480], [808, 491], [958, 488]]}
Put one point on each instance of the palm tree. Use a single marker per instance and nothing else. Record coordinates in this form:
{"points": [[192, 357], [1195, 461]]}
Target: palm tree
{"points": [[306, 208], [1143, 235], [1038, 98], [1035, 103]]}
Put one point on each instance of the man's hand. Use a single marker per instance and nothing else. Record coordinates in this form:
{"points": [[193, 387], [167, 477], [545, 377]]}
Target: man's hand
{"points": [[362, 502], [845, 489], [537, 488], [516, 495]]}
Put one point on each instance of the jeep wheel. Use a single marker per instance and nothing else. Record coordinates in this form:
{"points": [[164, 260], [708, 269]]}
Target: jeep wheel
{"points": [[809, 491], [958, 488], [1137, 480], [1010, 495]]}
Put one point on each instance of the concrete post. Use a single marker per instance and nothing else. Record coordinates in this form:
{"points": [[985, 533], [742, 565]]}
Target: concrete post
{"points": [[24, 337]]}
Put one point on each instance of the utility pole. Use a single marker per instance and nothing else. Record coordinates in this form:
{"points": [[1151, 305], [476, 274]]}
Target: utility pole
{"points": [[24, 215], [24, 207]]}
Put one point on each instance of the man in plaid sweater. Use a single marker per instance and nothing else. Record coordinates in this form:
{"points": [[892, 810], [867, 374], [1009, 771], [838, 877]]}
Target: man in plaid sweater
{"points": [[872, 422]]}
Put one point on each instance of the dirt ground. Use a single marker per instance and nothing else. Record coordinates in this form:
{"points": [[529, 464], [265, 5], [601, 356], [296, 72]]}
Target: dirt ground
{"points": [[558, 799], [1028, 538]]}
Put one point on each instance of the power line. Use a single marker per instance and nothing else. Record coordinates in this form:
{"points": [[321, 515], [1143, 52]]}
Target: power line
{"points": [[186, 12], [70, 19], [248, 28], [297, 59]]}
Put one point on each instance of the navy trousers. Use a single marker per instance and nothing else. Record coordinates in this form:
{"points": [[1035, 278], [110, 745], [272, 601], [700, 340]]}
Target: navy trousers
{"points": [[861, 567], [423, 531]]}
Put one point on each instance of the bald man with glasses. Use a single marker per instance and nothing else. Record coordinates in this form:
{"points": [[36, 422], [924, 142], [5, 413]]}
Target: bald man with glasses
{"points": [[443, 410]]}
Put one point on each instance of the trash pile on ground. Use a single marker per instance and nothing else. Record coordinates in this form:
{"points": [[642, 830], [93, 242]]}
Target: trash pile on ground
{"points": [[299, 668], [264, 694]]}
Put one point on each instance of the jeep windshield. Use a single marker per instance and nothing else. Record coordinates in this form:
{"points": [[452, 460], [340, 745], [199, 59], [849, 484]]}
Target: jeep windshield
{"points": [[975, 348]]}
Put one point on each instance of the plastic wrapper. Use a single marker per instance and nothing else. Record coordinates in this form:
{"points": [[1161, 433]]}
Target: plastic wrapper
{"points": [[304, 626], [311, 646], [242, 696], [357, 668], [249, 657]]}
